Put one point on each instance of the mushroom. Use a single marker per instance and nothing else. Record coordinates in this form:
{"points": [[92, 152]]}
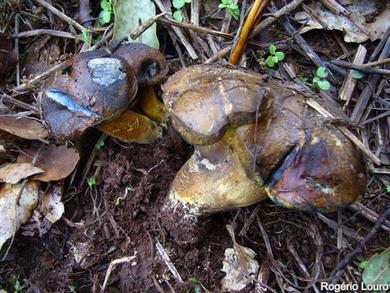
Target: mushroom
{"points": [[254, 137], [99, 86]]}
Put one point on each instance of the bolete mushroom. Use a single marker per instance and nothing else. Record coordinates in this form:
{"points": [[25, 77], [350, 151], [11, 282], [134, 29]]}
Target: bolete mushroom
{"points": [[99, 86], [254, 137]]}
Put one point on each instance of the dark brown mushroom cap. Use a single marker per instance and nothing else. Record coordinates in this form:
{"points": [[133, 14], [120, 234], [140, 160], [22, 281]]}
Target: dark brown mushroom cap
{"points": [[204, 99], [325, 172], [96, 87], [148, 63]]}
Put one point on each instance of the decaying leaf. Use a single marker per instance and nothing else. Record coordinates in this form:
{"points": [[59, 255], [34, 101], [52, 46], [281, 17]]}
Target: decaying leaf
{"points": [[239, 265], [23, 127], [52, 206], [16, 209], [367, 19], [131, 127], [377, 270], [57, 161], [129, 15], [13, 173]]}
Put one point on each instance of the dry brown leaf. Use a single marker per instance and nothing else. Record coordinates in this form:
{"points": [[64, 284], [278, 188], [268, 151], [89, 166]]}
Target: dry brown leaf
{"points": [[239, 265], [56, 161], [13, 173], [52, 206], [15, 211], [23, 127], [363, 14]]}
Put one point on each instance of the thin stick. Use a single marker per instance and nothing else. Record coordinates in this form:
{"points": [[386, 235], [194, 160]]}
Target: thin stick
{"points": [[147, 24], [196, 28], [37, 32], [168, 262], [113, 263], [17, 51], [361, 67], [377, 63], [254, 16], [61, 15], [339, 269]]}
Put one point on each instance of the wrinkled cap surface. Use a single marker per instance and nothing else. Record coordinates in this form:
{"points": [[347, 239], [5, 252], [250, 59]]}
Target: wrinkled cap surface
{"points": [[324, 173], [204, 99], [148, 63], [96, 87]]}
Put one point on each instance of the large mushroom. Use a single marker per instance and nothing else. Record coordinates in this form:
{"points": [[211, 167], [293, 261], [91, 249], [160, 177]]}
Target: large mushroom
{"points": [[98, 87], [254, 137]]}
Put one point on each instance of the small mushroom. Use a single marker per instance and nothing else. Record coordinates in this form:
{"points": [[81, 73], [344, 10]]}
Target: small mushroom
{"points": [[96, 88], [252, 137], [99, 86]]}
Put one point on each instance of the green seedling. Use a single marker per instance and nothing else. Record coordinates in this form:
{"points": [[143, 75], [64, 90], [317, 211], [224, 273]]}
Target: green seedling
{"points": [[86, 37], [91, 181], [388, 188], [99, 144], [105, 14], [363, 264], [195, 284], [319, 81], [18, 288], [274, 57], [179, 4], [231, 8], [72, 288], [357, 74]]}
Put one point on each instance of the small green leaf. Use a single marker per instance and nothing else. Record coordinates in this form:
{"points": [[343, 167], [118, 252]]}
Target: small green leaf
{"points": [[316, 79], [357, 74], [177, 15], [279, 55], [178, 3], [86, 38], [377, 270], [270, 61], [363, 264], [222, 6], [99, 144], [324, 85], [188, 1], [276, 60], [91, 181], [106, 5], [226, 2], [104, 17], [235, 13], [388, 188], [272, 49], [322, 72]]}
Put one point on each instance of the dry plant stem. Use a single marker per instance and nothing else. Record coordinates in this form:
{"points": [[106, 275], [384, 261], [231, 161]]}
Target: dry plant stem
{"points": [[18, 103], [17, 51], [193, 27], [377, 63], [371, 84], [37, 32], [300, 263], [195, 8], [61, 15], [255, 14], [179, 33], [29, 84], [333, 225], [112, 266], [274, 16], [316, 106], [147, 24], [168, 262], [369, 214], [339, 269], [349, 83], [361, 68]]}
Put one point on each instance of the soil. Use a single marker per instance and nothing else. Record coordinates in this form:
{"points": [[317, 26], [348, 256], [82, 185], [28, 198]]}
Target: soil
{"points": [[99, 228]]}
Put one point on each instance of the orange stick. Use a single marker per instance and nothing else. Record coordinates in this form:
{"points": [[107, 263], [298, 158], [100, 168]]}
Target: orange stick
{"points": [[253, 18]]}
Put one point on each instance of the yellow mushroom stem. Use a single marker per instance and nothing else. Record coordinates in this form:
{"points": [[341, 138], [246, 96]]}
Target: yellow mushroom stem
{"points": [[218, 177], [132, 127], [151, 104]]}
